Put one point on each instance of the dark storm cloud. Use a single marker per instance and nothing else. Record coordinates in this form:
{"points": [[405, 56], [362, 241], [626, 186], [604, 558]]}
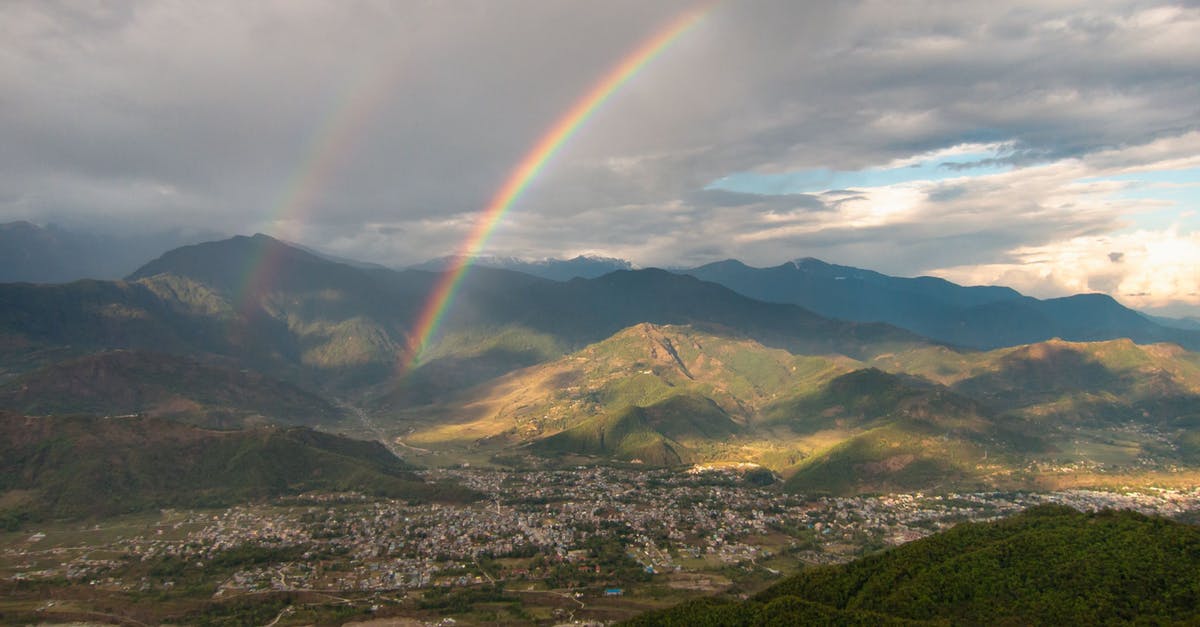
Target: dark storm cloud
{"points": [[204, 113]]}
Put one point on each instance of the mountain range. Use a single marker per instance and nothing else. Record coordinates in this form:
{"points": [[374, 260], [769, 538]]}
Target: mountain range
{"points": [[872, 383], [975, 317]]}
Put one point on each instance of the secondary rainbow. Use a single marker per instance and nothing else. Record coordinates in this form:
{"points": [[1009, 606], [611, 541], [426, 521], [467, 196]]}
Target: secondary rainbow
{"points": [[326, 152], [442, 296]]}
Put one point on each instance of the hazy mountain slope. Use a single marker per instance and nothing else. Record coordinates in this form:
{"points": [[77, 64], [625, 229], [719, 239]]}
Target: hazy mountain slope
{"points": [[53, 254], [1048, 565], [591, 310], [979, 317], [1189, 323], [574, 314], [44, 324], [96, 314], [81, 466], [136, 382]]}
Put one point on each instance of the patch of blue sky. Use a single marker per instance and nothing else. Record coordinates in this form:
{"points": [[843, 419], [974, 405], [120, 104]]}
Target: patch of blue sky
{"points": [[1180, 176], [1183, 213], [818, 180], [1180, 188]]}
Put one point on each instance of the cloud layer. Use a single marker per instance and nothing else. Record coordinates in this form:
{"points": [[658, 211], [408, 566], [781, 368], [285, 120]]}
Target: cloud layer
{"points": [[1054, 133]]}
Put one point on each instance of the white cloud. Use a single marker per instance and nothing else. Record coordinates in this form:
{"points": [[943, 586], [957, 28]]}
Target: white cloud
{"points": [[1152, 269]]}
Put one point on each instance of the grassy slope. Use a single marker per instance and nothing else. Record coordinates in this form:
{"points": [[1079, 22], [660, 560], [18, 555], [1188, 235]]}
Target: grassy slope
{"points": [[1116, 372], [961, 419], [1049, 565], [902, 435], [681, 374], [626, 436]]}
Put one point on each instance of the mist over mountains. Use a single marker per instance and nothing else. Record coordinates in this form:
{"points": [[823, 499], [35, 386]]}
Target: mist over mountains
{"points": [[55, 254]]}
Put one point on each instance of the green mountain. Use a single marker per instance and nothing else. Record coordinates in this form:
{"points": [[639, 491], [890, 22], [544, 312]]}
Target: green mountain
{"points": [[627, 436], [699, 372], [696, 387], [81, 466], [1047, 566], [1093, 382], [154, 384], [901, 435], [929, 418]]}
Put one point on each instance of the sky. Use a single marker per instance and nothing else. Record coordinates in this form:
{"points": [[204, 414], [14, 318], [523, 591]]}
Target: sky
{"points": [[1050, 146]]}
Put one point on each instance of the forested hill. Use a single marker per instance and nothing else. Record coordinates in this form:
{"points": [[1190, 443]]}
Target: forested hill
{"points": [[1050, 565]]}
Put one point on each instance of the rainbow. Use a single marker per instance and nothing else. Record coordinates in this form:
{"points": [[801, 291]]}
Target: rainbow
{"points": [[442, 296], [327, 149]]}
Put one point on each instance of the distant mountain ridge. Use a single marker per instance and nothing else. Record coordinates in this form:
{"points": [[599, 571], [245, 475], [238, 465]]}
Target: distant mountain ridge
{"points": [[53, 254], [349, 315], [976, 317], [581, 266]]}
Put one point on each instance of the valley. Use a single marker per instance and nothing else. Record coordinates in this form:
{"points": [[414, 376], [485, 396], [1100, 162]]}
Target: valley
{"points": [[539, 546], [691, 313], [269, 455]]}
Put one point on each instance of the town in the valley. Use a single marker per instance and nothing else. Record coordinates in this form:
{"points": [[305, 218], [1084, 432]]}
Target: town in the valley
{"points": [[560, 542], [574, 535]]}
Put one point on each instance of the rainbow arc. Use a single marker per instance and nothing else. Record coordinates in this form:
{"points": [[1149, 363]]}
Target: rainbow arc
{"points": [[442, 295]]}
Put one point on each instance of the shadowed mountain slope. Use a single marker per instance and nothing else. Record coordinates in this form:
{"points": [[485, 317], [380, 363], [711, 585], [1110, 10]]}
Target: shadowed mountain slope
{"points": [[82, 466], [53, 254], [136, 382]]}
